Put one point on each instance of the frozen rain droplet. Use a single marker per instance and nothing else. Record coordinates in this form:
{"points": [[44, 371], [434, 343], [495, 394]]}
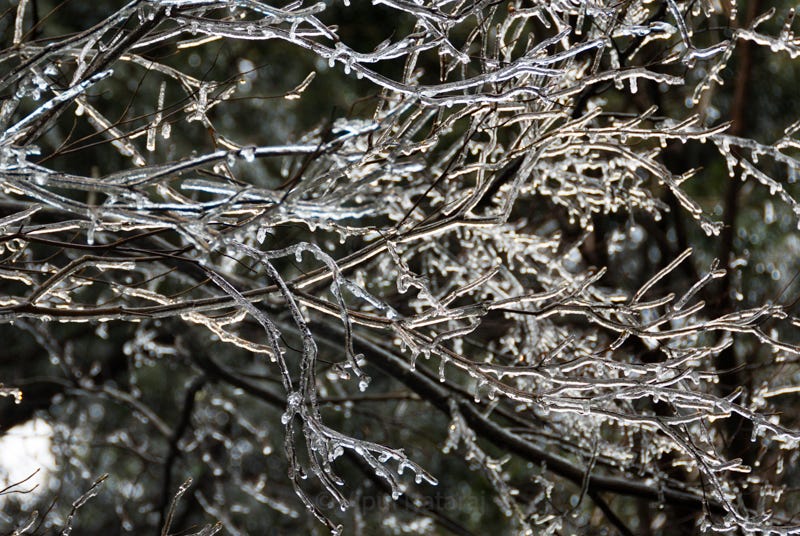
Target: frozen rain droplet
{"points": [[151, 138], [363, 383], [248, 153]]}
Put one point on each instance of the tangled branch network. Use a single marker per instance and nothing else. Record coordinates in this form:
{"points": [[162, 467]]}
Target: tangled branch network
{"points": [[449, 220]]}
